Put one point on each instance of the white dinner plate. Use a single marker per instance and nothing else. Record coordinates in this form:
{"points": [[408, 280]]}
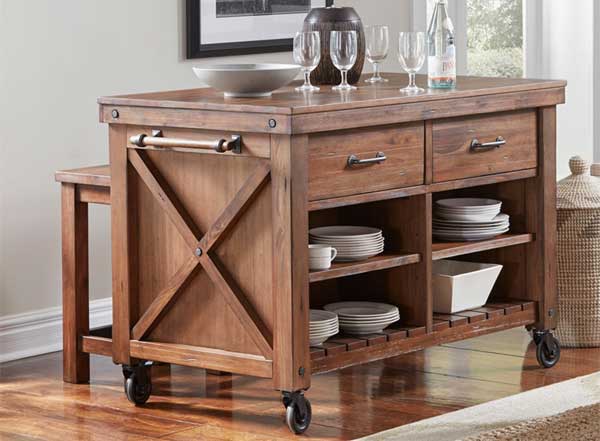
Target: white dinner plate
{"points": [[341, 231], [361, 309], [319, 315], [468, 203]]}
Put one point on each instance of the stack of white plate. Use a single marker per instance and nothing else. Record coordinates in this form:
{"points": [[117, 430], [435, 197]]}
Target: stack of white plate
{"points": [[323, 324], [352, 243], [469, 219], [364, 317]]}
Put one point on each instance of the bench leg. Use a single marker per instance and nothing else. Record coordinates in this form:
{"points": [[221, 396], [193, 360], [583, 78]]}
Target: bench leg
{"points": [[76, 364]]}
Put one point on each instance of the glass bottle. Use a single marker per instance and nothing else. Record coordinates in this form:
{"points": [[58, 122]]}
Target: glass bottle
{"points": [[442, 50]]}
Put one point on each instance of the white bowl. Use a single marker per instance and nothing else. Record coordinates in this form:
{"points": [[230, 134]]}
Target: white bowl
{"points": [[247, 80], [459, 286]]}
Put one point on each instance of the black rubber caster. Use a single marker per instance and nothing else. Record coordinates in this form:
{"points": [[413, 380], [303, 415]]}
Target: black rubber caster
{"points": [[298, 412], [138, 385], [548, 349]]}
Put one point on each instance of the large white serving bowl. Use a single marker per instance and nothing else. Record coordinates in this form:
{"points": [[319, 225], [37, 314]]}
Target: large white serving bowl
{"points": [[247, 80]]}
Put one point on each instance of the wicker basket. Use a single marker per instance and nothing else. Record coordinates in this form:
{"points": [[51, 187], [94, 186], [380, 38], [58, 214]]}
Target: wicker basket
{"points": [[578, 249]]}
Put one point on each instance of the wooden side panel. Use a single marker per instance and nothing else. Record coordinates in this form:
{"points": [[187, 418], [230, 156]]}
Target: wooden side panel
{"points": [[452, 155], [541, 219], [291, 354], [205, 185], [329, 173]]}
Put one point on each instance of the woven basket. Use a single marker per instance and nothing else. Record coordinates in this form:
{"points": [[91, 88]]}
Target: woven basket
{"points": [[578, 248]]}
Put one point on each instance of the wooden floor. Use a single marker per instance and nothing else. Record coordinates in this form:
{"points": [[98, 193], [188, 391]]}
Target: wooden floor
{"points": [[189, 405]]}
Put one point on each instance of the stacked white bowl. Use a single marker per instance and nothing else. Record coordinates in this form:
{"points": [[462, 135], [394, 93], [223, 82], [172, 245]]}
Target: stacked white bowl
{"points": [[352, 243], [469, 219], [364, 317], [323, 324]]}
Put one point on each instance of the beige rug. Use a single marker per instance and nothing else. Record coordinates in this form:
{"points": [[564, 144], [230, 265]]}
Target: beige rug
{"points": [[516, 417], [574, 425]]}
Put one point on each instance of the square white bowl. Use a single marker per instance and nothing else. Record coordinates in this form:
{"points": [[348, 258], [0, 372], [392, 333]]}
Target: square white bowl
{"points": [[459, 286]]}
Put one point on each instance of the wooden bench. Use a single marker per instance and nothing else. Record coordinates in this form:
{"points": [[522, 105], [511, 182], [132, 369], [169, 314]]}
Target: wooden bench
{"points": [[79, 187]]}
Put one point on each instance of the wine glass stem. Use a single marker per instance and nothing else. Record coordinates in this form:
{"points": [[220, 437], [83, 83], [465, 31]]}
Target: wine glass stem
{"points": [[344, 77], [307, 77], [375, 70], [412, 80]]}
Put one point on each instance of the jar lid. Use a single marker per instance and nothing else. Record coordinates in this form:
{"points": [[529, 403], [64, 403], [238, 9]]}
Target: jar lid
{"points": [[580, 189]]}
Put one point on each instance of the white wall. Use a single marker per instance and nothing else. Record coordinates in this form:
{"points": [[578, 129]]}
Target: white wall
{"points": [[57, 57], [568, 53]]}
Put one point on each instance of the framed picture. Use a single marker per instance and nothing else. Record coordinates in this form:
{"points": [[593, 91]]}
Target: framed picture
{"points": [[236, 27]]}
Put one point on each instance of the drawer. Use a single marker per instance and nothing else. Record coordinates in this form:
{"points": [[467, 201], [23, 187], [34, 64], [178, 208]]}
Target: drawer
{"points": [[455, 156], [331, 176]]}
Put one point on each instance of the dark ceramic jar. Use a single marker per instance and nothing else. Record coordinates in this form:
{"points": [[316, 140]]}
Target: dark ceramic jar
{"points": [[330, 19]]}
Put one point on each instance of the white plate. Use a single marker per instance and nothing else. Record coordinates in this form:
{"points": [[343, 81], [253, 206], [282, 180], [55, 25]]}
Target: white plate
{"points": [[323, 328], [361, 309], [468, 203], [355, 259], [360, 251], [375, 329], [468, 217], [502, 217], [347, 243], [352, 245], [459, 238], [463, 230], [320, 315], [360, 319], [345, 231], [247, 80], [357, 255]]}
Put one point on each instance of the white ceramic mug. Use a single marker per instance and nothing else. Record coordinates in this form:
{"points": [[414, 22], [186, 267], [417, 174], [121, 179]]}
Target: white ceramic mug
{"points": [[320, 256]]}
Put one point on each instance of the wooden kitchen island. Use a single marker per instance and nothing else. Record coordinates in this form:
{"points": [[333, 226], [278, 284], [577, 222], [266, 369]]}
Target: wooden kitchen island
{"points": [[212, 199]]}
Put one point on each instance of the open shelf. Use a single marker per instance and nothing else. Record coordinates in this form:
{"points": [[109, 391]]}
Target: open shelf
{"points": [[381, 262], [342, 351], [444, 250]]}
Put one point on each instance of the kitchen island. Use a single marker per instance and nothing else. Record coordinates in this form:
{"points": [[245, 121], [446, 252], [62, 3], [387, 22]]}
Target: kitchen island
{"points": [[212, 199]]}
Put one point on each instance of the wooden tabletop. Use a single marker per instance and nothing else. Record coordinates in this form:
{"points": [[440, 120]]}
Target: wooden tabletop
{"points": [[288, 102]]}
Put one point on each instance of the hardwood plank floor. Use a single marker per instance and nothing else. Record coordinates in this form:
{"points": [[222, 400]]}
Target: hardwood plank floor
{"points": [[189, 405]]}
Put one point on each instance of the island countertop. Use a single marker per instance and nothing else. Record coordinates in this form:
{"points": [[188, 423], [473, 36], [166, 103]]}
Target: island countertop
{"points": [[296, 112]]}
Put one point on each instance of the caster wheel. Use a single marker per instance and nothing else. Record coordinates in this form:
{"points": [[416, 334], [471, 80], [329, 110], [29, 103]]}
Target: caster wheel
{"points": [[138, 385], [298, 414], [548, 351]]}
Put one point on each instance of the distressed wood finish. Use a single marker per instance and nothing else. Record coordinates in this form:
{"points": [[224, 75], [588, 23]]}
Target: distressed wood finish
{"points": [[330, 175], [210, 258], [291, 356], [75, 289], [453, 157]]}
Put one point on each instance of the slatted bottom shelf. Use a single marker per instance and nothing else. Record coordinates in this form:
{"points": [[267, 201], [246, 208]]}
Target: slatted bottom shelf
{"points": [[344, 350]]}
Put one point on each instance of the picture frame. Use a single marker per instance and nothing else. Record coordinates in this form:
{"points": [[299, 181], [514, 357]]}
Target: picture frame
{"points": [[227, 29]]}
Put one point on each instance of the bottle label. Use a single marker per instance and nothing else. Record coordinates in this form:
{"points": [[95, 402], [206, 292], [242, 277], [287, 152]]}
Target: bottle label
{"points": [[443, 67]]}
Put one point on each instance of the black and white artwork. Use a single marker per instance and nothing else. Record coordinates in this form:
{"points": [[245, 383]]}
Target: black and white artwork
{"points": [[235, 27], [237, 8]]}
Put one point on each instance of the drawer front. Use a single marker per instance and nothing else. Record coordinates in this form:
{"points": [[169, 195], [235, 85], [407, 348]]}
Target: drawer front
{"points": [[461, 150], [331, 176]]}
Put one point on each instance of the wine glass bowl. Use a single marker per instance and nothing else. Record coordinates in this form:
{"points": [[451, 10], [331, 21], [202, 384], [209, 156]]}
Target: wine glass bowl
{"points": [[378, 46], [344, 51], [307, 53], [411, 54]]}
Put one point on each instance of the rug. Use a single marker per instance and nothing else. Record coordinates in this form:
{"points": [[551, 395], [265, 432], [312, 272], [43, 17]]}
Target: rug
{"points": [[525, 409], [574, 425]]}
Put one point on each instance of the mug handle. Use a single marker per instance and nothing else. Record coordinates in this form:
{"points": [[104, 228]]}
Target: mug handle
{"points": [[333, 254]]}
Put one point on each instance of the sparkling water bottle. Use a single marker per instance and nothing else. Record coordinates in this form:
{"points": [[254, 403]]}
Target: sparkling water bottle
{"points": [[442, 51]]}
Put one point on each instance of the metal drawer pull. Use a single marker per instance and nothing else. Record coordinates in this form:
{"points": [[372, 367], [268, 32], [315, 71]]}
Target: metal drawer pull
{"points": [[477, 146], [354, 160], [157, 140]]}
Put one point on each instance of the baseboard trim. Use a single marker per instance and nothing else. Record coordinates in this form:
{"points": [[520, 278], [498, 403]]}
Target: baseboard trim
{"points": [[40, 332]]}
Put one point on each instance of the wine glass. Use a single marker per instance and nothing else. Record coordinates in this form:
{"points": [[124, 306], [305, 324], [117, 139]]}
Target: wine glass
{"points": [[412, 56], [378, 45], [344, 50], [307, 53]]}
